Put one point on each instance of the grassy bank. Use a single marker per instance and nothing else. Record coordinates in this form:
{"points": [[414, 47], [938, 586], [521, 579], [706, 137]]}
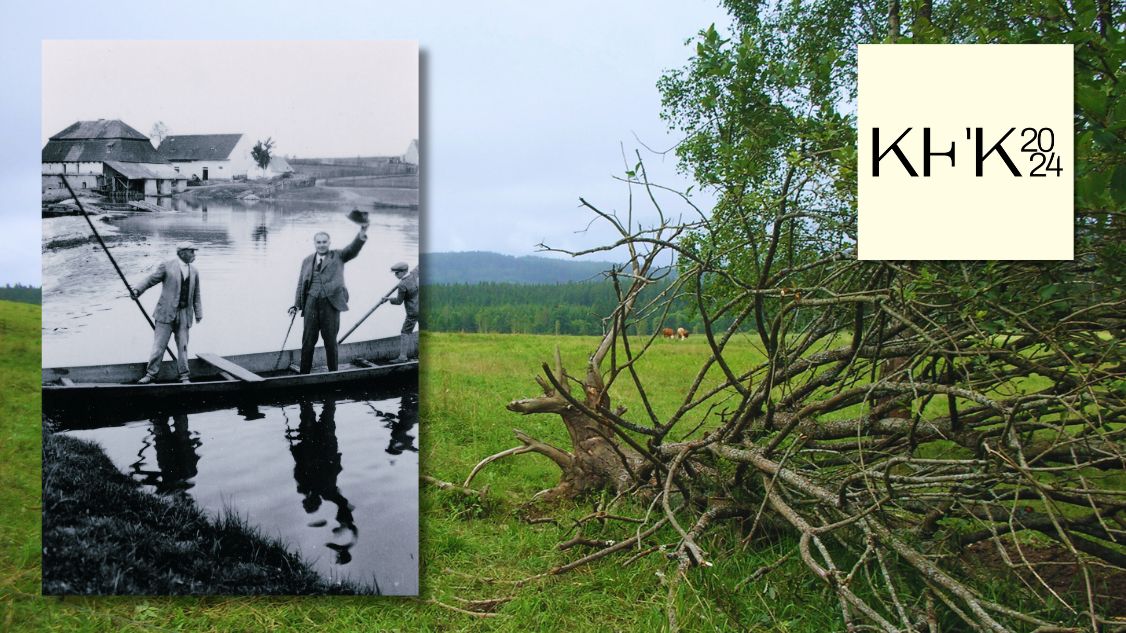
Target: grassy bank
{"points": [[471, 549], [363, 197], [103, 535]]}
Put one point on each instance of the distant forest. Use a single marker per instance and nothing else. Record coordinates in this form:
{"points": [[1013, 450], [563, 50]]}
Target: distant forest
{"points": [[21, 293], [511, 308], [481, 266]]}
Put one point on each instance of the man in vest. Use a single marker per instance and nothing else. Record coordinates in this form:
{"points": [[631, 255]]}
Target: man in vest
{"points": [[407, 296], [321, 295], [179, 304]]}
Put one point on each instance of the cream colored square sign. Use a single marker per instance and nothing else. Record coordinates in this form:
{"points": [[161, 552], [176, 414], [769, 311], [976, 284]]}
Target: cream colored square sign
{"points": [[965, 152]]}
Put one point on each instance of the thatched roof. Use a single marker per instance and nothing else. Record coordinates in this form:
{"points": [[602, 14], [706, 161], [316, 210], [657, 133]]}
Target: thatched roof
{"points": [[99, 141]]}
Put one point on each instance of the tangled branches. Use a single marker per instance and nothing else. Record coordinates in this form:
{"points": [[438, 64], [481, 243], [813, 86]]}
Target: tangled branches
{"points": [[900, 414]]}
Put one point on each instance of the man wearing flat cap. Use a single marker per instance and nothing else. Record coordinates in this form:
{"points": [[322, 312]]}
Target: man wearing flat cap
{"points": [[321, 295], [178, 306], [407, 296]]}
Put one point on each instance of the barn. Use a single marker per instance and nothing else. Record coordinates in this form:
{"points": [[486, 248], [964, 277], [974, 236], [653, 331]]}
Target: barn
{"points": [[107, 155], [208, 156]]}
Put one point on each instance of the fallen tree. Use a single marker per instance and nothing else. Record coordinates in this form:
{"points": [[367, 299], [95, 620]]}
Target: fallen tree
{"points": [[904, 411]]}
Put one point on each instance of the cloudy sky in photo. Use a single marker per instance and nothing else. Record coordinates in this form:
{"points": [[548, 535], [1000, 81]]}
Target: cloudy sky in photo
{"points": [[524, 107]]}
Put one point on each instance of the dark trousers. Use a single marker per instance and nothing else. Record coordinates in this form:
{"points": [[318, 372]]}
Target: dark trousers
{"points": [[323, 320]]}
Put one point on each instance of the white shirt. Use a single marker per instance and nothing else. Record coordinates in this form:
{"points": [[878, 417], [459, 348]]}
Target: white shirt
{"points": [[185, 269], [320, 258]]}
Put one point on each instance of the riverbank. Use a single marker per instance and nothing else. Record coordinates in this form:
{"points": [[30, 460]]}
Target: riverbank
{"points": [[102, 534], [363, 197]]}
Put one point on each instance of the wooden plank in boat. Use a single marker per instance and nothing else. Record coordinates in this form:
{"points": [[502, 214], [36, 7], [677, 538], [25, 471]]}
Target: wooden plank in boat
{"points": [[67, 382], [223, 364]]}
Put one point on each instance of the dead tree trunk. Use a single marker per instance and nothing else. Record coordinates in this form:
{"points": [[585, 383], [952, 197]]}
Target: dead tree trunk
{"points": [[595, 461]]}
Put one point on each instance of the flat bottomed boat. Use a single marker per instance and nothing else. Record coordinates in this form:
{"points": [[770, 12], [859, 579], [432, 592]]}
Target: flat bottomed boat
{"points": [[213, 376]]}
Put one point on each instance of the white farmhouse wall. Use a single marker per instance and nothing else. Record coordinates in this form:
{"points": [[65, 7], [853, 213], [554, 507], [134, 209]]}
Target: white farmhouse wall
{"points": [[216, 169], [79, 175], [241, 161]]}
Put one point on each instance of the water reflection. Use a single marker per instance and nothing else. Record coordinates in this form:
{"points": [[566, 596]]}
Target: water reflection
{"points": [[176, 455], [400, 425], [333, 476], [316, 458], [248, 261]]}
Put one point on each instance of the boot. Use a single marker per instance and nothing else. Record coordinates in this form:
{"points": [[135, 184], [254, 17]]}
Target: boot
{"points": [[404, 346]]}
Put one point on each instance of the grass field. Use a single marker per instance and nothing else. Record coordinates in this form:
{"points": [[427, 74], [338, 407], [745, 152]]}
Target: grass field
{"points": [[466, 381]]}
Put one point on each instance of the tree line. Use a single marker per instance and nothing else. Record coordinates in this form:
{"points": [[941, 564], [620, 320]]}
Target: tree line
{"points": [[576, 308], [22, 293]]}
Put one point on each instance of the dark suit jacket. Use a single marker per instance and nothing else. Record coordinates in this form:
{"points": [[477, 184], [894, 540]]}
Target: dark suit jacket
{"points": [[168, 275], [333, 274]]}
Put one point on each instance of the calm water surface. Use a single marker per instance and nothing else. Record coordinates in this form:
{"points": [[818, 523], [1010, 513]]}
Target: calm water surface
{"points": [[335, 478], [249, 258]]}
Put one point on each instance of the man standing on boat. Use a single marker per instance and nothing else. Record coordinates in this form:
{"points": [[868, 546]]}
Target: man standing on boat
{"points": [[321, 295], [179, 304], [407, 295]]}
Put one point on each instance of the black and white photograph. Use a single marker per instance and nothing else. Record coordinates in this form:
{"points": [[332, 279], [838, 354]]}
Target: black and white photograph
{"points": [[230, 317]]}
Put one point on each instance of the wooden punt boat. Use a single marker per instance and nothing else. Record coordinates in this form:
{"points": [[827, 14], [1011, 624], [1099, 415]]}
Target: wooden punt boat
{"points": [[213, 376]]}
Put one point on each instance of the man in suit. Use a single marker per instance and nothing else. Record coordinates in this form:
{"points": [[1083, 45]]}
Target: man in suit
{"points": [[179, 304], [321, 295]]}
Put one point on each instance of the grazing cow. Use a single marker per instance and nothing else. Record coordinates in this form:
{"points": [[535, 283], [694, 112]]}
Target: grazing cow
{"points": [[681, 333], [667, 332]]}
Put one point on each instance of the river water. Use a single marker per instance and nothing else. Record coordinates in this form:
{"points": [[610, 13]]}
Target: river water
{"points": [[334, 477], [248, 261]]}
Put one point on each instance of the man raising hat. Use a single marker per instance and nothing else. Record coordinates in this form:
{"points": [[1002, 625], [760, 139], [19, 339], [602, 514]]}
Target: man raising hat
{"points": [[179, 304], [321, 295], [408, 296]]}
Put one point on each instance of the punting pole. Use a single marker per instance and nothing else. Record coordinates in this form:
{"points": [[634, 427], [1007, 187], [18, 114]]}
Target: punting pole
{"points": [[113, 261], [364, 318]]}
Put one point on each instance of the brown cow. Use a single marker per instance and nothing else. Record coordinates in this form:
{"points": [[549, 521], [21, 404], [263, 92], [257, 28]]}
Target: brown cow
{"points": [[667, 332], [681, 333]]}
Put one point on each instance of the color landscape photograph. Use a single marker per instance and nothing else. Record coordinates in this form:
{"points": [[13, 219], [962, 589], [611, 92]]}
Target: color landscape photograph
{"points": [[664, 394]]}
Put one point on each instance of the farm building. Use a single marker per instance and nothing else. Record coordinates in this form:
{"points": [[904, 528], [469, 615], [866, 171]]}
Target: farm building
{"points": [[107, 155], [218, 157], [209, 156], [278, 166], [411, 155]]}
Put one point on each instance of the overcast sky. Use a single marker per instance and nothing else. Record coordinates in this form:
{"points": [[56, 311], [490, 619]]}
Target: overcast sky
{"points": [[524, 108], [312, 98]]}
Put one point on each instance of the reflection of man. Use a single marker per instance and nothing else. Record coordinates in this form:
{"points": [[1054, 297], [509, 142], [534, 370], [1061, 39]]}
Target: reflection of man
{"points": [[176, 455], [321, 295], [407, 295], [400, 427], [179, 303], [316, 457]]}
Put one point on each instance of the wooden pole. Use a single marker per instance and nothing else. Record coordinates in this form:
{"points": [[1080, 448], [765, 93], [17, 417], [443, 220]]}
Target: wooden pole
{"points": [[113, 261], [364, 318]]}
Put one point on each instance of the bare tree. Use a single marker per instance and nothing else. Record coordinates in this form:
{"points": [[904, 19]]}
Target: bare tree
{"points": [[158, 132]]}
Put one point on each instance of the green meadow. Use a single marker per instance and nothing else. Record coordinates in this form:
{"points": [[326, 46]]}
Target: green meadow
{"points": [[474, 551]]}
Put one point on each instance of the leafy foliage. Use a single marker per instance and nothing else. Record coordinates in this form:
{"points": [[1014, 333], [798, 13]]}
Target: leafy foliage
{"points": [[261, 152]]}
